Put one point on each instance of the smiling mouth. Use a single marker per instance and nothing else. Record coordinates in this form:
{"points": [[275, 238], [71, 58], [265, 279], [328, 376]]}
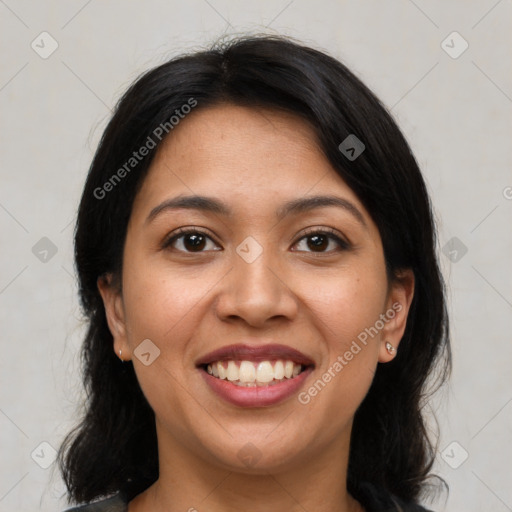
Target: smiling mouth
{"points": [[255, 373]]}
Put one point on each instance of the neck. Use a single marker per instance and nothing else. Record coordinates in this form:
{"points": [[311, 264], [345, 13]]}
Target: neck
{"points": [[188, 483]]}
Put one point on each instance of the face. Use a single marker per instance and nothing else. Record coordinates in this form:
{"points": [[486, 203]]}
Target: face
{"points": [[245, 249]]}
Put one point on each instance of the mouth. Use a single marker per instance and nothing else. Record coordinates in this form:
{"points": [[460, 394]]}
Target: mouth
{"points": [[250, 373], [255, 376]]}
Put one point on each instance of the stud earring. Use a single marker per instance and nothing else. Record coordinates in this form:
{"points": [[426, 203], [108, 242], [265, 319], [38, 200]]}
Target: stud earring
{"points": [[391, 350]]}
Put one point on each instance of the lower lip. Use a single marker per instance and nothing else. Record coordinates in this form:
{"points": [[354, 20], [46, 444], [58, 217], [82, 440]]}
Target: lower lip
{"points": [[255, 396]]}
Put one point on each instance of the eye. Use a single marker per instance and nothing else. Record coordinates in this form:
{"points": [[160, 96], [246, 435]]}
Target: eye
{"points": [[322, 241], [196, 241], [190, 241]]}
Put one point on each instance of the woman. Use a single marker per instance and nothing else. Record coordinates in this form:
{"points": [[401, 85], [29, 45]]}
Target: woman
{"points": [[256, 258]]}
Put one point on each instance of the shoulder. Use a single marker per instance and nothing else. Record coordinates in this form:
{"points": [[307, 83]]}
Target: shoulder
{"points": [[116, 503]]}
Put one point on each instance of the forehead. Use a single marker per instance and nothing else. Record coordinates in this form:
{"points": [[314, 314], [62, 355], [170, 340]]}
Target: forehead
{"points": [[214, 136], [251, 156]]}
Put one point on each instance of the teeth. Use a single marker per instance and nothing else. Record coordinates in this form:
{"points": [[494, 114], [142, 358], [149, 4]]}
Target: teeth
{"points": [[265, 372], [247, 372], [250, 374], [279, 370], [288, 369], [232, 372]]}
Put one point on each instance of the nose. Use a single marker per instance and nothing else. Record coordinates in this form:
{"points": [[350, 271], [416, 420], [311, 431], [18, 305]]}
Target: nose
{"points": [[256, 292]]}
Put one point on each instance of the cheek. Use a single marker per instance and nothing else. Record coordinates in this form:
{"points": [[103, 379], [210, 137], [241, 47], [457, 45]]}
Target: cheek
{"points": [[344, 307], [162, 305], [160, 302], [346, 302]]}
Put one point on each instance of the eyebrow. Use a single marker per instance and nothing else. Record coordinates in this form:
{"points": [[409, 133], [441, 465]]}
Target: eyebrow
{"points": [[300, 205]]}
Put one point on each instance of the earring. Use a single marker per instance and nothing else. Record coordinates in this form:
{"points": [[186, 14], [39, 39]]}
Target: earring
{"points": [[120, 355], [390, 348]]}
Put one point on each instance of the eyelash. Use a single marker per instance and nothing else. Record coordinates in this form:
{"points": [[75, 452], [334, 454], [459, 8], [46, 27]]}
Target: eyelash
{"points": [[332, 234]]}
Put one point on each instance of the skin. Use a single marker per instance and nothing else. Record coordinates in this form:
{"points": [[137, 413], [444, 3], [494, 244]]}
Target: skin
{"points": [[189, 303]]}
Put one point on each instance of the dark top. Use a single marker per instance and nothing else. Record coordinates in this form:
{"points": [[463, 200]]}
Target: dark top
{"points": [[372, 499]]}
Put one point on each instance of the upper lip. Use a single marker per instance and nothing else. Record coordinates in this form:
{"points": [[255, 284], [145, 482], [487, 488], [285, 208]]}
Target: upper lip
{"points": [[242, 352]]}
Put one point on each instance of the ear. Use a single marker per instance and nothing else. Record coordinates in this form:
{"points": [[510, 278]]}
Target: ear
{"points": [[400, 295], [114, 309]]}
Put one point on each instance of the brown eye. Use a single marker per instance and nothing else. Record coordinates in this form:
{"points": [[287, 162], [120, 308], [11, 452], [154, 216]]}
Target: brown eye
{"points": [[190, 241], [194, 242], [322, 241], [317, 242]]}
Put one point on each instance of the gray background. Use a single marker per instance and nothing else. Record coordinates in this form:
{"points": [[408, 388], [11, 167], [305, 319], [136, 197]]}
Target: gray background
{"points": [[456, 113]]}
